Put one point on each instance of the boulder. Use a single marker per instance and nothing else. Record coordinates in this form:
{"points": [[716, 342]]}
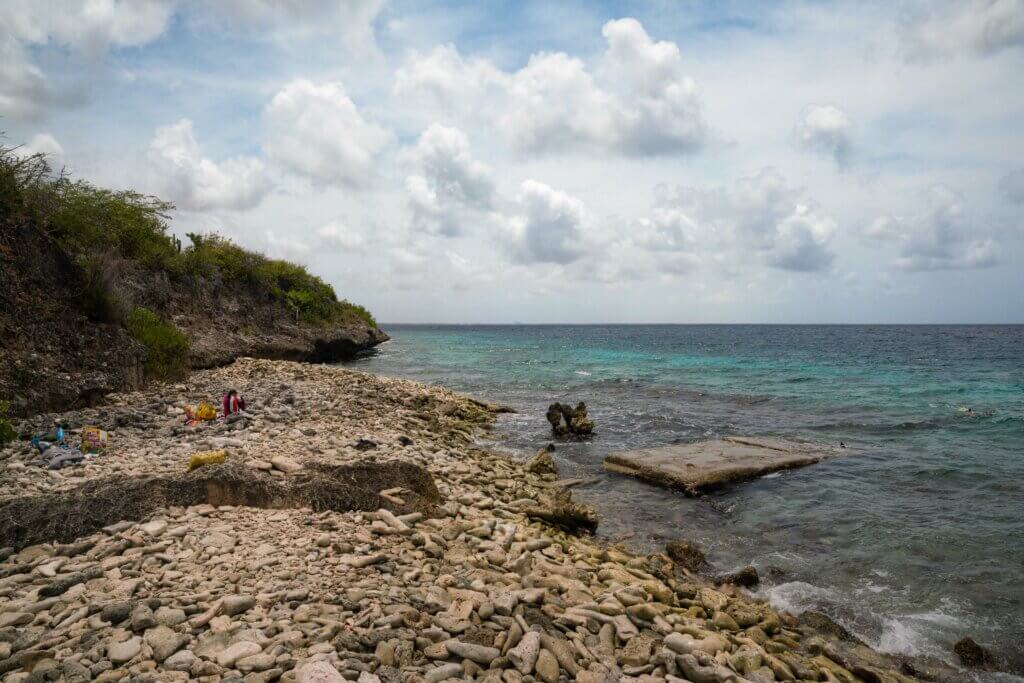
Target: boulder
{"points": [[566, 420]]}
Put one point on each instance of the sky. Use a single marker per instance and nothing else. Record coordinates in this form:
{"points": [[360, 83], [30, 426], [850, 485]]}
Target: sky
{"points": [[580, 162]]}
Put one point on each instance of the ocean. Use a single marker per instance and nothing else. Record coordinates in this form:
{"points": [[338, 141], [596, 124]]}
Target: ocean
{"points": [[912, 540]]}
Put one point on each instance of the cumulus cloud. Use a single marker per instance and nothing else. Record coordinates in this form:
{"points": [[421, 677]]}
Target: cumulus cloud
{"points": [[638, 101], [47, 145], [1011, 186], [942, 237], [826, 130], [978, 27], [451, 184], [87, 28], [337, 236], [549, 225], [197, 183], [762, 214], [315, 130]]}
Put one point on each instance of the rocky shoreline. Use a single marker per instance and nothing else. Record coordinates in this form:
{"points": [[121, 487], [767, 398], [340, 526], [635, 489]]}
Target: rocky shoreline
{"points": [[281, 564]]}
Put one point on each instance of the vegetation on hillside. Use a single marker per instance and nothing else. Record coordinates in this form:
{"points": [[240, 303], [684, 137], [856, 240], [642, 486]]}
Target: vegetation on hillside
{"points": [[98, 227], [166, 346]]}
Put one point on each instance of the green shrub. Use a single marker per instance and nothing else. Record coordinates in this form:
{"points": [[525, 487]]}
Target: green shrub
{"points": [[7, 433], [166, 346], [98, 227]]}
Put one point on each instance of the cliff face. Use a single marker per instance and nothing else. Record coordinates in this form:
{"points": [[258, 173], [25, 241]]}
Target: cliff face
{"points": [[53, 356]]}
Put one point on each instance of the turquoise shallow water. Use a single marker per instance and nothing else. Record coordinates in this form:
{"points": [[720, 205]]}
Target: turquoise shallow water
{"points": [[913, 540]]}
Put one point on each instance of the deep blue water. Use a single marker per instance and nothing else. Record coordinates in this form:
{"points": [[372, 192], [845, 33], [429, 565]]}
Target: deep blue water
{"points": [[913, 539]]}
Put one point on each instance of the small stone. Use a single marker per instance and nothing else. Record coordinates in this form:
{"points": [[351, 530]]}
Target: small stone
{"points": [[443, 672], [260, 662], [323, 540], [237, 604], [180, 661], [119, 653], [546, 667], [233, 653], [116, 612], [284, 464], [524, 655], [75, 672], [164, 641], [16, 619], [169, 616], [686, 555], [318, 672], [480, 654], [155, 527], [142, 617]]}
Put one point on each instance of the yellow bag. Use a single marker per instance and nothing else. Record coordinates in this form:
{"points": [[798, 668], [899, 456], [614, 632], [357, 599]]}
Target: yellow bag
{"points": [[206, 458], [205, 411]]}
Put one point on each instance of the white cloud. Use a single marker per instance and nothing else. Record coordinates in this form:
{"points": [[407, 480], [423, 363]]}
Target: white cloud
{"points": [[979, 27], [668, 229], [940, 238], [451, 185], [88, 28], [197, 183], [1011, 186], [337, 236], [317, 131], [826, 130], [759, 214], [637, 102], [549, 225], [47, 145]]}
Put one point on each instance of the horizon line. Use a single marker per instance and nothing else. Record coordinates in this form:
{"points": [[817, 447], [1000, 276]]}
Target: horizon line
{"points": [[717, 324]]}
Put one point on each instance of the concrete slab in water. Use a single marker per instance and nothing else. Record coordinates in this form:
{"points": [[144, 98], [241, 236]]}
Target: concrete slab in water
{"points": [[706, 465]]}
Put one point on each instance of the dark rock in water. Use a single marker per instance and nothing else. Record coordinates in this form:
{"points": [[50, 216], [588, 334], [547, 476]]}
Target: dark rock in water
{"points": [[745, 578], [972, 655], [686, 555], [566, 420], [542, 463], [825, 624]]}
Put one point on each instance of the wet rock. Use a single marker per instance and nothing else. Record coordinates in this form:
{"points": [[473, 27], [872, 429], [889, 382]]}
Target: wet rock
{"points": [[972, 655], [686, 555], [745, 578], [566, 420], [542, 462]]}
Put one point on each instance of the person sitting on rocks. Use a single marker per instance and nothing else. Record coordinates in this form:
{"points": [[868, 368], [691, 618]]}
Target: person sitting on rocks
{"points": [[232, 403]]}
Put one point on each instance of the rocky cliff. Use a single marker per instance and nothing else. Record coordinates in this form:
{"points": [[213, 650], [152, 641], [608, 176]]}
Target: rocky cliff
{"points": [[77, 262]]}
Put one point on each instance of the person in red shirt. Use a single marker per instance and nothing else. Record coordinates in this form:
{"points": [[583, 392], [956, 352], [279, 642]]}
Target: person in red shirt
{"points": [[232, 403]]}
